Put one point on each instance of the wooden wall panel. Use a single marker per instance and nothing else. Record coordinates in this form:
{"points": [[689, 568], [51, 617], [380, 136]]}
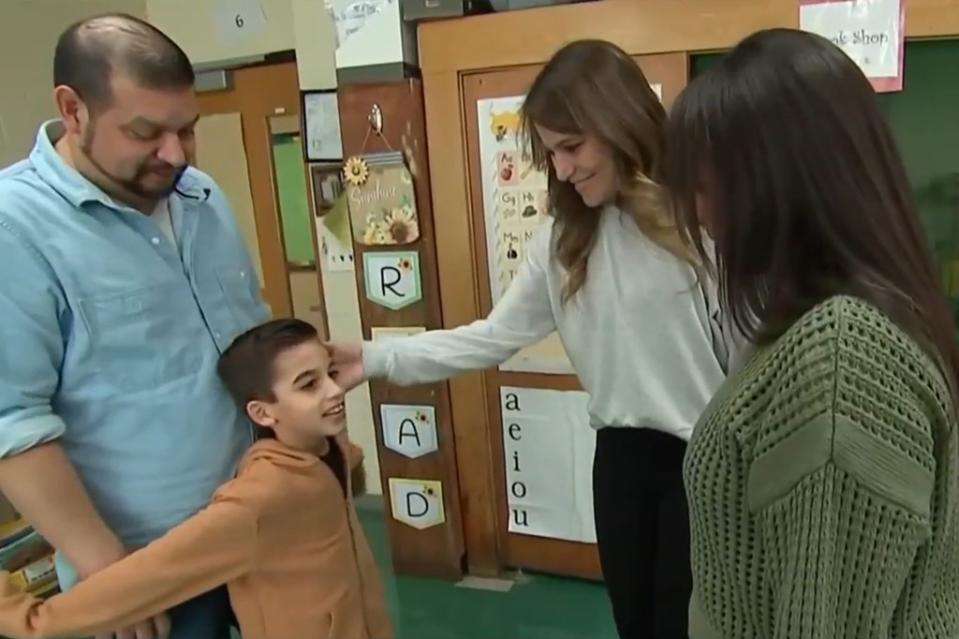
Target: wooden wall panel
{"points": [[436, 551]]}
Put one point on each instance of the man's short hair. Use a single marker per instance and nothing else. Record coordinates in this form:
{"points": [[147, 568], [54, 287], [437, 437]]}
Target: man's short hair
{"points": [[91, 50]]}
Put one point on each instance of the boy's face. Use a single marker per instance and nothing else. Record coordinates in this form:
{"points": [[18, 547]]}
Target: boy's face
{"points": [[309, 404]]}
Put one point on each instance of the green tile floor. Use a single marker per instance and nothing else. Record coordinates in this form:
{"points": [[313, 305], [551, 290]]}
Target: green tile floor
{"points": [[537, 607]]}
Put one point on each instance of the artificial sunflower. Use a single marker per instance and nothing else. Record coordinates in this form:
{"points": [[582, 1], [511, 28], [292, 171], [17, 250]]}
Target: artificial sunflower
{"points": [[402, 225], [406, 264], [356, 171]]}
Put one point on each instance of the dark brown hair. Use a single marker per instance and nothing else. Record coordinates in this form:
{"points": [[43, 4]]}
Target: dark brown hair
{"points": [[246, 367], [805, 192], [89, 51], [593, 87]]}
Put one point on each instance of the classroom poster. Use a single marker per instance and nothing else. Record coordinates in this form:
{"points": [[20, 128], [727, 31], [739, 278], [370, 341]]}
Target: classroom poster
{"points": [[515, 203], [548, 447]]}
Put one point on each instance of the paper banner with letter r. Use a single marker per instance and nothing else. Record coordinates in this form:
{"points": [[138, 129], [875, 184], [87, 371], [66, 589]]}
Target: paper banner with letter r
{"points": [[392, 279]]}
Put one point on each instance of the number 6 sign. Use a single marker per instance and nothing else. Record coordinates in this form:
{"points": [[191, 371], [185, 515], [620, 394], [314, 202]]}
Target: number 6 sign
{"points": [[238, 19]]}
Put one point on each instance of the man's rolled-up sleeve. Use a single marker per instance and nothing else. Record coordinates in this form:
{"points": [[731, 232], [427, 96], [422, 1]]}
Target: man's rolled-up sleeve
{"points": [[31, 346]]}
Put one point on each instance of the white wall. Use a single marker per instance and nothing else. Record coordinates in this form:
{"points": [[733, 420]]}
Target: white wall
{"points": [[209, 34], [28, 33]]}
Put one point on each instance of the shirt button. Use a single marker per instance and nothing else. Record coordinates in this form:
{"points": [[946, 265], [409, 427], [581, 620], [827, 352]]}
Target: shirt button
{"points": [[156, 241], [242, 274], [216, 335]]}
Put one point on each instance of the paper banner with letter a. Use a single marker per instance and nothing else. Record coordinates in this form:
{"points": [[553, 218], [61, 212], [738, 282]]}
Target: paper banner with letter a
{"points": [[392, 279], [417, 502], [409, 430]]}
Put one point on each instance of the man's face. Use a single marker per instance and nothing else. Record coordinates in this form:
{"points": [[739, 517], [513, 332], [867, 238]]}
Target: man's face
{"points": [[143, 138]]}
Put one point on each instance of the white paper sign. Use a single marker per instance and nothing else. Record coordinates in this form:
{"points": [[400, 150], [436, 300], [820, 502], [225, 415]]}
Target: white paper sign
{"points": [[238, 19], [322, 119], [409, 430], [392, 279], [869, 31], [417, 502], [548, 447]]}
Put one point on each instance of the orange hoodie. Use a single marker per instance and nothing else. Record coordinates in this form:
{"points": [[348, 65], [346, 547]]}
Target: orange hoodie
{"points": [[282, 537]]}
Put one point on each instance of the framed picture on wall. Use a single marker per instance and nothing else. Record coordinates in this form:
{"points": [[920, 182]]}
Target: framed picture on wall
{"points": [[321, 126]]}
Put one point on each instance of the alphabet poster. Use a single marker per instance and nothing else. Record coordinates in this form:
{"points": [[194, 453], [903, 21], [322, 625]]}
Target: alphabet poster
{"points": [[515, 202], [392, 279], [548, 446], [417, 502], [409, 430]]}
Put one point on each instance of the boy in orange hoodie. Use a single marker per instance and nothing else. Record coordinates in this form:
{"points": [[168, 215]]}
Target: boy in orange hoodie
{"points": [[283, 535]]}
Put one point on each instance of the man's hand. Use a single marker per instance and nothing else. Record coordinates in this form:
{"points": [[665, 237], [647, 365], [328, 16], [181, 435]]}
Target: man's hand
{"points": [[156, 628], [346, 365]]}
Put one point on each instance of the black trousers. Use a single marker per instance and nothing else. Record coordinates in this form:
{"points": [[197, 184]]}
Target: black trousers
{"points": [[642, 530]]}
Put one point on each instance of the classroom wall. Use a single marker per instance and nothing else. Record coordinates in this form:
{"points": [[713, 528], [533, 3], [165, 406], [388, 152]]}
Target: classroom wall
{"points": [[316, 67], [306, 27], [28, 34], [207, 32]]}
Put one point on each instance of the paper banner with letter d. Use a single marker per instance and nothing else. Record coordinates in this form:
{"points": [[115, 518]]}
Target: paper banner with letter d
{"points": [[417, 502]]}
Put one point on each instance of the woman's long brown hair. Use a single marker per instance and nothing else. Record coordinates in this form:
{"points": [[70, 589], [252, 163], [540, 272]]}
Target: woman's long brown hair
{"points": [[805, 193], [592, 87]]}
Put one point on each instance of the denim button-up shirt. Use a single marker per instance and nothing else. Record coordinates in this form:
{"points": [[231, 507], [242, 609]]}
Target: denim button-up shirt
{"points": [[110, 333]]}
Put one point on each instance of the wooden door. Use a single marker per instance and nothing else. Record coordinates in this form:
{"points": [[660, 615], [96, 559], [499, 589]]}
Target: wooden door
{"points": [[520, 550], [267, 99]]}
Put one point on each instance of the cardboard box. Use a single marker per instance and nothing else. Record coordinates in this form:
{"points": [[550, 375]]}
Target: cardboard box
{"points": [[417, 10]]}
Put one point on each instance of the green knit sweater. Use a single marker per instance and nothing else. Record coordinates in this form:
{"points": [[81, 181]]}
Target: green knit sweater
{"points": [[817, 505]]}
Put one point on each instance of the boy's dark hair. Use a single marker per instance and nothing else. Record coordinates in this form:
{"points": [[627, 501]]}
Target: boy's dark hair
{"points": [[246, 367], [91, 50]]}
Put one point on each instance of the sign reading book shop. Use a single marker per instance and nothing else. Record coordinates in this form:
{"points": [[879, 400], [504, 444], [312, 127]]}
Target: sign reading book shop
{"points": [[871, 32]]}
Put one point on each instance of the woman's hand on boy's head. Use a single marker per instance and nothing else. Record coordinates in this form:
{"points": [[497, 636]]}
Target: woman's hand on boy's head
{"points": [[346, 364]]}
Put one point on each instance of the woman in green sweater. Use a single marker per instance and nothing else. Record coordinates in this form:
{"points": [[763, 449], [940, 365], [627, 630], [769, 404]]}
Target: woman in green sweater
{"points": [[822, 479]]}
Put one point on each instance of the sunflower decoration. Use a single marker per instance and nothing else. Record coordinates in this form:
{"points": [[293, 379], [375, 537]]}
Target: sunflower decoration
{"points": [[371, 233], [405, 264], [421, 417], [402, 225], [356, 171]]}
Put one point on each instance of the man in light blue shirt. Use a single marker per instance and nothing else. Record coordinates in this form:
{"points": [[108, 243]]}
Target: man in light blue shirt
{"points": [[124, 276]]}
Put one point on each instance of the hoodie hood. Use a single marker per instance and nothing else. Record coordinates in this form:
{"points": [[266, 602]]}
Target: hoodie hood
{"points": [[277, 453]]}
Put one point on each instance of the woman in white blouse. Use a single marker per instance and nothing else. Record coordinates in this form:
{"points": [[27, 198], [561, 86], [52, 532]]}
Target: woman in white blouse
{"points": [[611, 274]]}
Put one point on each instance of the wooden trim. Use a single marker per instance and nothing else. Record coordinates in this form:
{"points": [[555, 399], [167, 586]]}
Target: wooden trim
{"points": [[649, 26], [284, 124], [257, 94], [457, 274]]}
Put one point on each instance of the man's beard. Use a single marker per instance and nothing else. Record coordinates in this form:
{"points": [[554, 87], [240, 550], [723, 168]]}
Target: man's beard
{"points": [[132, 185]]}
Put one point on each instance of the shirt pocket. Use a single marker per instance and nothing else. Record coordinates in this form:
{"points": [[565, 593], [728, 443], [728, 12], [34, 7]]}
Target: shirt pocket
{"points": [[141, 339], [244, 306]]}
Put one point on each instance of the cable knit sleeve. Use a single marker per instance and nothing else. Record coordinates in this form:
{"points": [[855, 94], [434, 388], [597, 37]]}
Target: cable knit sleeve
{"points": [[842, 478]]}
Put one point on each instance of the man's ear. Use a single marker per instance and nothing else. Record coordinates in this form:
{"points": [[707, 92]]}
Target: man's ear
{"points": [[260, 413], [71, 108]]}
